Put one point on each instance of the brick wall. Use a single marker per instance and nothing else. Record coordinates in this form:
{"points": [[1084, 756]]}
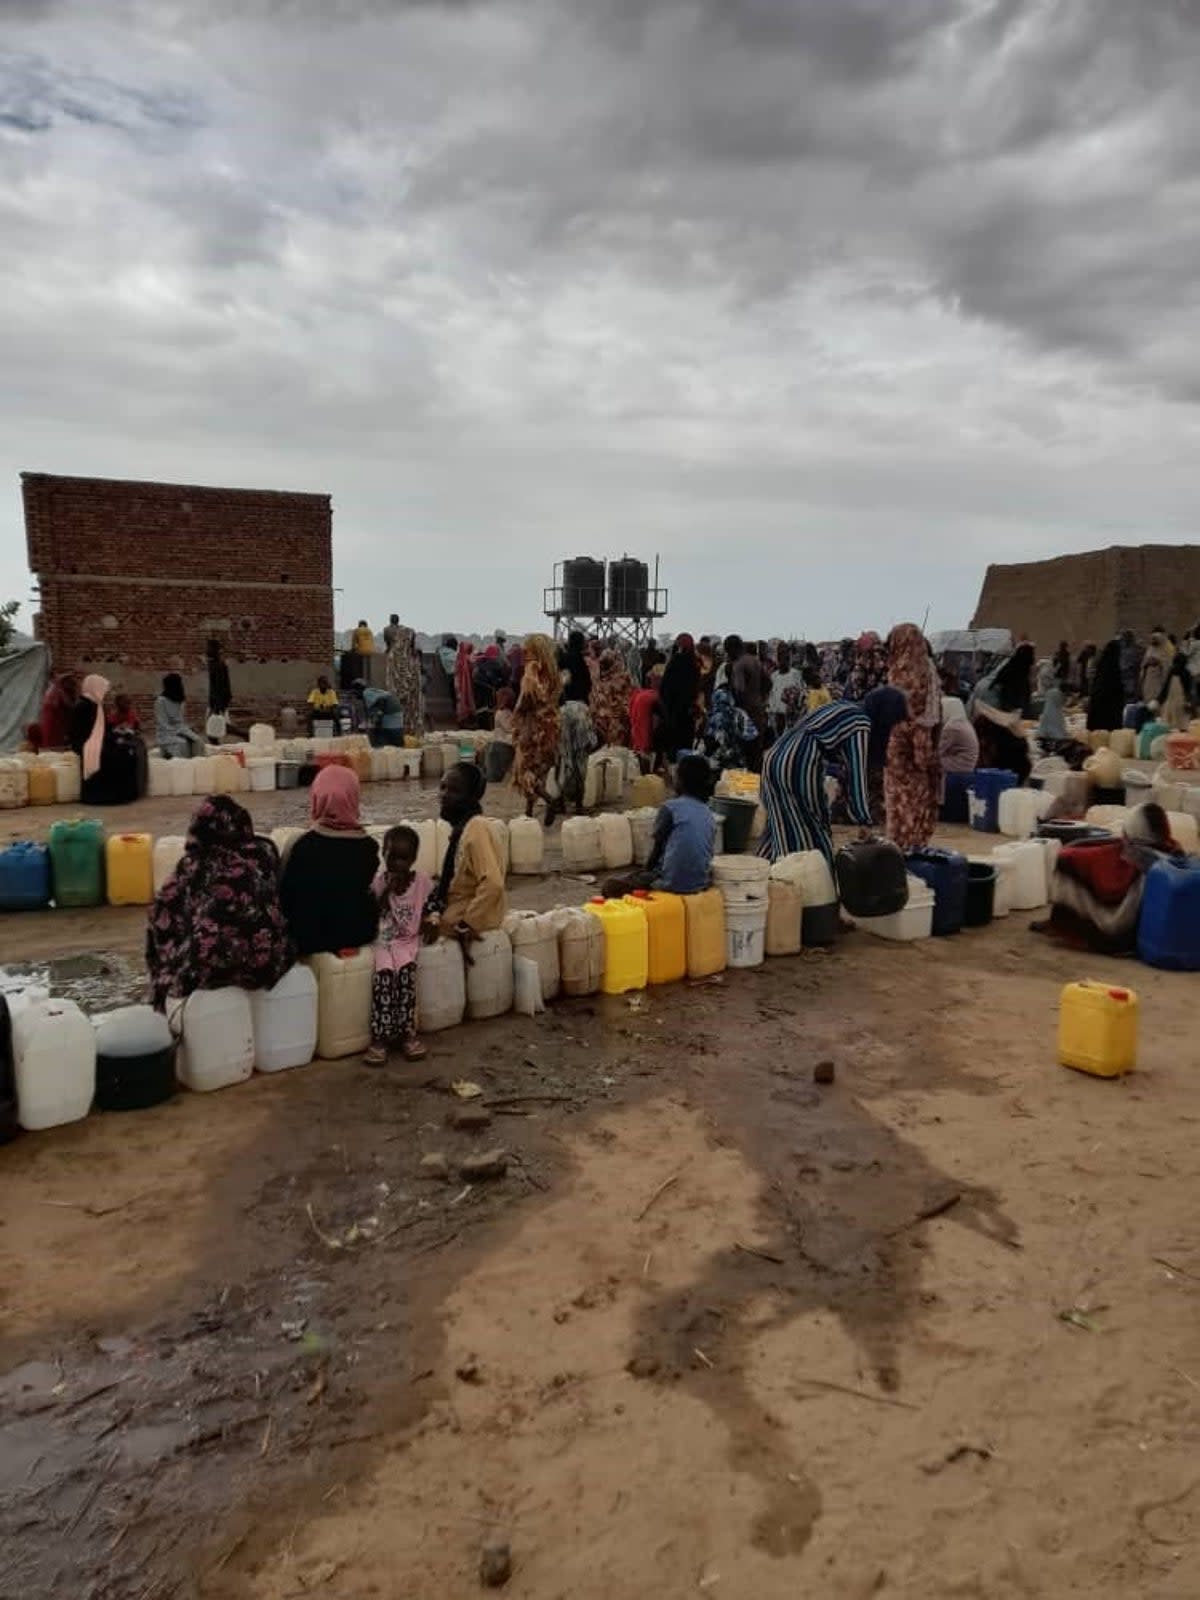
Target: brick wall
{"points": [[1093, 595], [136, 577]]}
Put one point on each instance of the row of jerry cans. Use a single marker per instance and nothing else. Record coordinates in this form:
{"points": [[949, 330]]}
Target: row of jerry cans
{"points": [[47, 780], [753, 910], [61, 1063], [78, 867]]}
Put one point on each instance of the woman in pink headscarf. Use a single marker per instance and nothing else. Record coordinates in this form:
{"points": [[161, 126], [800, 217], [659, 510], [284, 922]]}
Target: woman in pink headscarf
{"points": [[110, 762], [912, 779], [326, 887]]}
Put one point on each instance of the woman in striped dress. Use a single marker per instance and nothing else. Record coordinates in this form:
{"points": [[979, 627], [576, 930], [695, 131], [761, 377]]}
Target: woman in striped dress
{"points": [[793, 779]]}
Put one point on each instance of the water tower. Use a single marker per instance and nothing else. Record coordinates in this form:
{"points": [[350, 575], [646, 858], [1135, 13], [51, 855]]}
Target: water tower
{"points": [[613, 600]]}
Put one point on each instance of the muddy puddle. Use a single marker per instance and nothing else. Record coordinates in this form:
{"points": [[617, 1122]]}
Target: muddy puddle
{"points": [[97, 982]]}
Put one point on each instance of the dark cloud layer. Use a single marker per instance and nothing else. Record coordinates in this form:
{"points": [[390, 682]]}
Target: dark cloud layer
{"points": [[630, 269]]}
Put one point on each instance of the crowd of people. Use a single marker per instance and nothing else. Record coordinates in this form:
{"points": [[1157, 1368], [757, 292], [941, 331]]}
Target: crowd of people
{"points": [[879, 715]]}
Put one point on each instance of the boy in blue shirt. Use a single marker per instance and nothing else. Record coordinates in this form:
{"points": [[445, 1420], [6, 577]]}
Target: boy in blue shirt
{"points": [[684, 834]]}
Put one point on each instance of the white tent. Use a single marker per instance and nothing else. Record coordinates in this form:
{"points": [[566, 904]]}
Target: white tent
{"points": [[972, 642]]}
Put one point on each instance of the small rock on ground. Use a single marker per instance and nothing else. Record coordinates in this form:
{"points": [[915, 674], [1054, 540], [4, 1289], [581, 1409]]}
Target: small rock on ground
{"points": [[824, 1072], [495, 1566], [642, 1367], [434, 1165], [469, 1118], [478, 1169]]}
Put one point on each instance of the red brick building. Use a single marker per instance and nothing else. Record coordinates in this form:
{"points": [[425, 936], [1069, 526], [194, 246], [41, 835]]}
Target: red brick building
{"points": [[135, 578]]}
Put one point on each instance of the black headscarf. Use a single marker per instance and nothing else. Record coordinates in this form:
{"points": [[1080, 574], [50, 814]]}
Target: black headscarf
{"points": [[1106, 705], [579, 675], [1011, 683], [172, 688], [677, 694]]}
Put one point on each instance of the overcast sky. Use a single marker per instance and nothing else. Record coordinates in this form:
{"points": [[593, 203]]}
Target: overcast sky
{"points": [[829, 302]]}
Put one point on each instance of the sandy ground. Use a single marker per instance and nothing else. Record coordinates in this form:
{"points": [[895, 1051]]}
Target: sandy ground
{"points": [[719, 1331]]}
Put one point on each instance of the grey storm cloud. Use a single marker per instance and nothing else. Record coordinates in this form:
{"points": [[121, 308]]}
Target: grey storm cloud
{"points": [[914, 272]]}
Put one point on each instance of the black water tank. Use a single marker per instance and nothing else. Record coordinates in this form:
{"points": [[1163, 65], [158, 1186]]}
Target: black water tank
{"points": [[583, 587], [628, 587]]}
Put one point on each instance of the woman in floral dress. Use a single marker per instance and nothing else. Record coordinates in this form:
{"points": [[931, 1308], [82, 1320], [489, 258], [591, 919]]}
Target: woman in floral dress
{"points": [[912, 780], [217, 921], [536, 720], [612, 691]]}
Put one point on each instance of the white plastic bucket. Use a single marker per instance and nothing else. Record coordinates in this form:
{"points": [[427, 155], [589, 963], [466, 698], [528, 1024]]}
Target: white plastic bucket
{"points": [[740, 878], [746, 932]]}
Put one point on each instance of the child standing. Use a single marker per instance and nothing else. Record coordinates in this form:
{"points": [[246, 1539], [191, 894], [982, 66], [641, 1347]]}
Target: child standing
{"points": [[644, 707], [401, 892]]}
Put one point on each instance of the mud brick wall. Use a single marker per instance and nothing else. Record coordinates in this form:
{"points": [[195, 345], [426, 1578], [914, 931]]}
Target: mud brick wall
{"points": [[134, 579], [1093, 595]]}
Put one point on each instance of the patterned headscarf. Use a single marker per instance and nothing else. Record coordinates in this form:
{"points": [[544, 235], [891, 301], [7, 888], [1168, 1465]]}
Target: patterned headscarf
{"points": [[541, 680], [912, 669], [217, 923], [609, 702], [728, 730]]}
